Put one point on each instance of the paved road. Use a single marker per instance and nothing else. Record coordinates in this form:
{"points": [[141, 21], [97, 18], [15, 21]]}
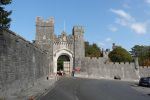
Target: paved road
{"points": [[92, 89]]}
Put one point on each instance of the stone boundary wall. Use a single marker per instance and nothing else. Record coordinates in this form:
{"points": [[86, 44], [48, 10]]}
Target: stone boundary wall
{"points": [[21, 63], [144, 71], [100, 67]]}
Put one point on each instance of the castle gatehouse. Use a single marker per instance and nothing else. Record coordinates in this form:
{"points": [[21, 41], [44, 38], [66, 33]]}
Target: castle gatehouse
{"points": [[64, 51]]}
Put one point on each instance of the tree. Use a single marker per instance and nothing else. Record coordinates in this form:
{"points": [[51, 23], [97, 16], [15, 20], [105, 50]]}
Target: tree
{"points": [[92, 50], [119, 54], [143, 53], [96, 50], [4, 15]]}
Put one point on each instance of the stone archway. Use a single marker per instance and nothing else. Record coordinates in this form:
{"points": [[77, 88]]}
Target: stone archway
{"points": [[61, 61], [61, 53]]}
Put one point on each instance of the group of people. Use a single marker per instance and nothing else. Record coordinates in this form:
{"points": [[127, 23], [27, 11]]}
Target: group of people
{"points": [[60, 73]]}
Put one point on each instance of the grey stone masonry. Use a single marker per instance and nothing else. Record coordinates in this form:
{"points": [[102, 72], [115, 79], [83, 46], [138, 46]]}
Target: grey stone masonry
{"points": [[79, 49], [45, 37], [144, 71], [21, 63], [97, 67]]}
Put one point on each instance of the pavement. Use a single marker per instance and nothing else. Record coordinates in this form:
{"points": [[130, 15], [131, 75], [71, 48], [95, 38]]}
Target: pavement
{"points": [[40, 87], [95, 89], [85, 75]]}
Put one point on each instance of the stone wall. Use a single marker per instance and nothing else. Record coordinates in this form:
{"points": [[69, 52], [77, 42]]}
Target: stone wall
{"points": [[99, 67], [144, 71], [62, 45], [21, 63]]}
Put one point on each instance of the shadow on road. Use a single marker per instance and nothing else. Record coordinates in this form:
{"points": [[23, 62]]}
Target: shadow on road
{"points": [[134, 84]]}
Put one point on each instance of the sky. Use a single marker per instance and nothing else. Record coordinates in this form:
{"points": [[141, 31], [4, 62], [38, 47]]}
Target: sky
{"points": [[123, 22]]}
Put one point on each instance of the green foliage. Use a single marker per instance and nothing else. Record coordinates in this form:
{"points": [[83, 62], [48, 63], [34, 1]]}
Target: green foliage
{"points": [[143, 53], [60, 65], [60, 62], [119, 54], [4, 15], [92, 50]]}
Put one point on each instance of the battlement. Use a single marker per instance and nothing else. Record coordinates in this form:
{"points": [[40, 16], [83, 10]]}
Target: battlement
{"points": [[103, 60], [63, 43], [144, 71], [148, 67], [121, 63], [41, 22], [78, 29]]}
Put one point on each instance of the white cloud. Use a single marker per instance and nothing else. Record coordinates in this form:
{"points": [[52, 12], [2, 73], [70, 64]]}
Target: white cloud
{"points": [[122, 14], [121, 21], [139, 28], [113, 29], [127, 20], [108, 39]]}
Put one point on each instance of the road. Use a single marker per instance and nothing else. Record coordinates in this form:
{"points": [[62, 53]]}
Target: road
{"points": [[92, 89]]}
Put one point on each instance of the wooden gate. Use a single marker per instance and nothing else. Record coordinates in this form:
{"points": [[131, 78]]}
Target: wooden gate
{"points": [[67, 68]]}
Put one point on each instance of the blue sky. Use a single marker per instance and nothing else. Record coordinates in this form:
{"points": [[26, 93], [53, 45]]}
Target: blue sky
{"points": [[124, 22]]}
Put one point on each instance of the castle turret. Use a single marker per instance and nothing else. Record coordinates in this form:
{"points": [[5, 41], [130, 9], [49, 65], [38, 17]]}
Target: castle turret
{"points": [[44, 37], [44, 32], [79, 50]]}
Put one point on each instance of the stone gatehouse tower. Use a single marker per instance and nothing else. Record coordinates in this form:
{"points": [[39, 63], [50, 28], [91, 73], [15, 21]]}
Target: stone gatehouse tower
{"points": [[70, 48]]}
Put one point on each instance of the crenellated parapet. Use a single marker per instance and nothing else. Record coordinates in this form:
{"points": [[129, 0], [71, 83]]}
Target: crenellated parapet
{"points": [[63, 38], [144, 71], [64, 45], [103, 60], [78, 29], [41, 22]]}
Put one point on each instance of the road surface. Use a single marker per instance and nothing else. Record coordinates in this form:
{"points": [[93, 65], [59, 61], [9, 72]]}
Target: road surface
{"points": [[92, 89]]}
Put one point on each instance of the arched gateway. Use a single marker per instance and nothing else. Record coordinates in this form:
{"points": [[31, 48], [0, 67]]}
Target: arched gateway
{"points": [[67, 61], [62, 47]]}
